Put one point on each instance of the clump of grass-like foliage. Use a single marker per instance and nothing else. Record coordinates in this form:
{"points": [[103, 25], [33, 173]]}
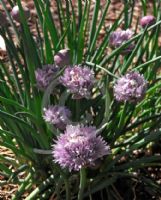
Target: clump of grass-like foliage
{"points": [[80, 114]]}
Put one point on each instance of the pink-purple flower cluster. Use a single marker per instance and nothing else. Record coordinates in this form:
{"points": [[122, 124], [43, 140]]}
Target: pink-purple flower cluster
{"points": [[79, 80], [131, 87], [57, 115], [117, 38], [79, 147], [45, 75]]}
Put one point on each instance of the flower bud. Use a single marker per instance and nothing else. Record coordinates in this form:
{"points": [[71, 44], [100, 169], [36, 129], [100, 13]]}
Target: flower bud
{"points": [[15, 13], [3, 19], [62, 58], [147, 21]]}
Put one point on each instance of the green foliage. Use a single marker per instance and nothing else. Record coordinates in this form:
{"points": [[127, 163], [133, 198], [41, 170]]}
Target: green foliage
{"points": [[125, 127]]}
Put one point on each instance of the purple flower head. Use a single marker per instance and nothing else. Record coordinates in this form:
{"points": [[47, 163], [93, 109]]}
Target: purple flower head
{"points": [[15, 13], [45, 75], [117, 38], [79, 147], [79, 80], [147, 21], [62, 58], [57, 115], [131, 87]]}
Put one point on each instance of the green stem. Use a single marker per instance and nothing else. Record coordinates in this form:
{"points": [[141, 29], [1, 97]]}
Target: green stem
{"points": [[80, 11], [82, 183], [147, 63], [22, 187], [104, 69], [68, 196], [77, 109], [42, 187], [122, 117], [126, 10]]}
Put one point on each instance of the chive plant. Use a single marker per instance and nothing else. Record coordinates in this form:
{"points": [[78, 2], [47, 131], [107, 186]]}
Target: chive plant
{"points": [[80, 119]]}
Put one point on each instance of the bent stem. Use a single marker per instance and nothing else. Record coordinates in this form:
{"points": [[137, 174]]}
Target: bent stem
{"points": [[82, 183]]}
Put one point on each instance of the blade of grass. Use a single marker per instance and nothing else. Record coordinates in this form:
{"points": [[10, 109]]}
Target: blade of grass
{"points": [[94, 23], [21, 190], [81, 36], [147, 63], [79, 13], [94, 39], [42, 187], [149, 138]]}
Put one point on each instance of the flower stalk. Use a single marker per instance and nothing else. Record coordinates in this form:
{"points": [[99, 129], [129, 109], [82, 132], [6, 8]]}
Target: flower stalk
{"points": [[82, 183], [67, 188]]}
